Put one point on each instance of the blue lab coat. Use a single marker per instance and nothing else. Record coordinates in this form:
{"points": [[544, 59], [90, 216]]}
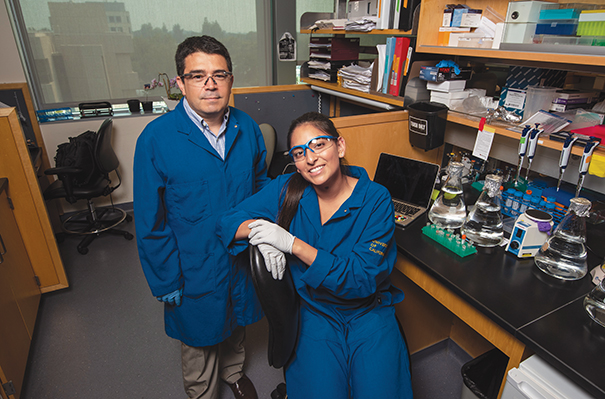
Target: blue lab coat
{"points": [[349, 337], [181, 186]]}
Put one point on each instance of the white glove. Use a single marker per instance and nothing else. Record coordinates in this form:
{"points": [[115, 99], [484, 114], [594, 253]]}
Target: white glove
{"points": [[264, 232], [275, 260]]}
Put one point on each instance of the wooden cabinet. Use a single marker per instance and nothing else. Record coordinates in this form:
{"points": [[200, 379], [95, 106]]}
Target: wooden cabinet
{"points": [[430, 21], [19, 300], [29, 206]]}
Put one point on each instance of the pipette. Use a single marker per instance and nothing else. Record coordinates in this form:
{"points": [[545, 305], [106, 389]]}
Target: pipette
{"points": [[533, 143], [585, 161], [522, 149], [565, 153]]}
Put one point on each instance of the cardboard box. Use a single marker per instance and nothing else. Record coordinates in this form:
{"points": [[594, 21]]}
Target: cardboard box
{"points": [[520, 77], [447, 17], [471, 18], [567, 97], [435, 74], [443, 37], [568, 107], [449, 95], [448, 85]]}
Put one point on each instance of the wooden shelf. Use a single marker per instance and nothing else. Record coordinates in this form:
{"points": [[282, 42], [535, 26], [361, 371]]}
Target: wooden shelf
{"points": [[391, 32], [429, 24], [383, 98], [501, 130]]}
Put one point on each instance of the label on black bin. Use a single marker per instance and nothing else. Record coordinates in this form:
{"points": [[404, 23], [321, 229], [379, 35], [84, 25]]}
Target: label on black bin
{"points": [[418, 126]]}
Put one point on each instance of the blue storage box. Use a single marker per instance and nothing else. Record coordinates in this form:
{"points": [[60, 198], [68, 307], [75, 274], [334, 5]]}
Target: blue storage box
{"points": [[563, 27], [560, 13]]}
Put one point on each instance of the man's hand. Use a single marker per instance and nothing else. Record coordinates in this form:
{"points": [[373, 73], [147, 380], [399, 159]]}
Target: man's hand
{"points": [[275, 260], [174, 298], [264, 232]]}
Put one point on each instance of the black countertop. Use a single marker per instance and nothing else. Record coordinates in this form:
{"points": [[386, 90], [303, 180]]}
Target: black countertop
{"points": [[544, 313]]}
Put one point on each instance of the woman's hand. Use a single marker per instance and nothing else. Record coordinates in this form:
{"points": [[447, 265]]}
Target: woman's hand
{"points": [[275, 260], [264, 232]]}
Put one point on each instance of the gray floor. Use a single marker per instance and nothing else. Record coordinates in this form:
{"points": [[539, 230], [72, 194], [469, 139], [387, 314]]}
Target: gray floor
{"points": [[103, 337]]}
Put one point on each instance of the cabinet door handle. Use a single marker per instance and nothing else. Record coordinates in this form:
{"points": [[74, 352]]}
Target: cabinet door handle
{"points": [[3, 250], [3, 246]]}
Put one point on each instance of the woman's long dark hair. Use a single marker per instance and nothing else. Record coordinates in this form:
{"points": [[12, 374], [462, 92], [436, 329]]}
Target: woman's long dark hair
{"points": [[297, 184]]}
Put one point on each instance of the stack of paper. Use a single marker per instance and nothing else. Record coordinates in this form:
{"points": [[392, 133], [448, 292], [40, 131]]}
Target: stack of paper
{"points": [[329, 24], [356, 77], [364, 24]]}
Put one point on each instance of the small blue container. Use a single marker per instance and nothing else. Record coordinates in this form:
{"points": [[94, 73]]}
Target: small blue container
{"points": [[563, 28]]}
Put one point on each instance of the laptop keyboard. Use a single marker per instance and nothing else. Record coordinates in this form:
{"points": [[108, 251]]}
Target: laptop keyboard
{"points": [[405, 208]]}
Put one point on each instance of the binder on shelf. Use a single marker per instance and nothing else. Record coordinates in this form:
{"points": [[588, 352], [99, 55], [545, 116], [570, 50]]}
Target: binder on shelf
{"points": [[384, 10], [394, 14], [388, 63], [399, 62], [406, 14]]}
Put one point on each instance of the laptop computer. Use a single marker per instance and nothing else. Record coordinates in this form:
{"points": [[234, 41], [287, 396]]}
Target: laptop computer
{"points": [[410, 182]]}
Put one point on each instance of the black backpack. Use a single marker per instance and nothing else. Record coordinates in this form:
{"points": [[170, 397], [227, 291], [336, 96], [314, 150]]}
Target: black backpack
{"points": [[79, 153]]}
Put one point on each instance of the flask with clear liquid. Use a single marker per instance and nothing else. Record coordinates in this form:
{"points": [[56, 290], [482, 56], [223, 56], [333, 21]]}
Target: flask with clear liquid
{"points": [[483, 225], [563, 255], [449, 210], [594, 304]]}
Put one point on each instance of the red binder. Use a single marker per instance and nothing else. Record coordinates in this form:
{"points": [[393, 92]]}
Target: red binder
{"points": [[401, 52]]}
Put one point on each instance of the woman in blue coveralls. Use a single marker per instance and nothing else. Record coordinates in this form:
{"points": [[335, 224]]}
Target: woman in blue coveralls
{"points": [[336, 226]]}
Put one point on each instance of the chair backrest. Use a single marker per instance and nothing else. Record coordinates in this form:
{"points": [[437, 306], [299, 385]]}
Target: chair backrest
{"points": [[105, 157], [279, 301], [270, 139]]}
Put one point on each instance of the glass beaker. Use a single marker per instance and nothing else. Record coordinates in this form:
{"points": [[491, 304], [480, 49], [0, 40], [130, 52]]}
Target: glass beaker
{"points": [[594, 304], [563, 255], [449, 210], [483, 225]]}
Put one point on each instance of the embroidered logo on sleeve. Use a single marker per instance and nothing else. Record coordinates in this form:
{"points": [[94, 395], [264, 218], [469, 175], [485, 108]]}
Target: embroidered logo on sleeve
{"points": [[378, 247]]}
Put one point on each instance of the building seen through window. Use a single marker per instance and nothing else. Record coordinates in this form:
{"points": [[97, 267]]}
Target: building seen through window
{"points": [[86, 51]]}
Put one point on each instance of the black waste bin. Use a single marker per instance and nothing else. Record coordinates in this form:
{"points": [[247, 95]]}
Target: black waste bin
{"points": [[427, 124], [483, 375]]}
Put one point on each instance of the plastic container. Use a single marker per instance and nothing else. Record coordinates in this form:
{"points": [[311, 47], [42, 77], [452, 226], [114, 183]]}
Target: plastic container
{"points": [[563, 27], [538, 97], [426, 124], [517, 200], [591, 23], [483, 375], [415, 90]]}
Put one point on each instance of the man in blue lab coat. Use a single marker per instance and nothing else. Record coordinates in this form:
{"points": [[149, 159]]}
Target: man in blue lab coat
{"points": [[191, 165]]}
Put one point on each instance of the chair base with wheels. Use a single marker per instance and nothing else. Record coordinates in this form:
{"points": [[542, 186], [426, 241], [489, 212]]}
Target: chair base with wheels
{"points": [[96, 165], [95, 221]]}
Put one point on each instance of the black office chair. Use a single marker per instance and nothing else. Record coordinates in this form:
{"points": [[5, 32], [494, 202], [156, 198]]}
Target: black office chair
{"points": [[279, 301], [91, 222]]}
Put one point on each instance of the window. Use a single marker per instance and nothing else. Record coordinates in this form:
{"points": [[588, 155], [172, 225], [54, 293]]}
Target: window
{"points": [[84, 51]]}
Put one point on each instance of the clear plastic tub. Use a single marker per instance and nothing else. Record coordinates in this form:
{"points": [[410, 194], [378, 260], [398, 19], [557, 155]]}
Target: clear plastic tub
{"points": [[538, 97], [564, 10], [564, 40]]}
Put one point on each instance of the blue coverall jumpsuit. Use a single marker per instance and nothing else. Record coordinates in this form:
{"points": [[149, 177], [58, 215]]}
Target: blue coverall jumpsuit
{"points": [[349, 344]]}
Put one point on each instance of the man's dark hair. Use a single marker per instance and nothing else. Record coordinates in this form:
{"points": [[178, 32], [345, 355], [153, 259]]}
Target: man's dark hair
{"points": [[205, 44]]}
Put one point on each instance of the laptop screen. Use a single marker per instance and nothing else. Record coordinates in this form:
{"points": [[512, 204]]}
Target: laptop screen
{"points": [[407, 179]]}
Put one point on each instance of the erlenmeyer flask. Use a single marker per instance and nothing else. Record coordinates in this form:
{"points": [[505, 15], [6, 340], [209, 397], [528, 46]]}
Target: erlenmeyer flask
{"points": [[594, 303], [483, 225], [563, 255], [449, 210]]}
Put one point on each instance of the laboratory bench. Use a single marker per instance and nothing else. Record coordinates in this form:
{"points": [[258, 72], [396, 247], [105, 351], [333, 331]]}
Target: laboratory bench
{"points": [[510, 303]]}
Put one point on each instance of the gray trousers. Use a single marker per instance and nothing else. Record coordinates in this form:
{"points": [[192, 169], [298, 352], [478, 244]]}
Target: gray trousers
{"points": [[203, 366]]}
